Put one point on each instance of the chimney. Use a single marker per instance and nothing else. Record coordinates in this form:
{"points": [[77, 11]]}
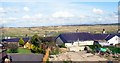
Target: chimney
{"points": [[118, 30], [103, 31], [77, 30]]}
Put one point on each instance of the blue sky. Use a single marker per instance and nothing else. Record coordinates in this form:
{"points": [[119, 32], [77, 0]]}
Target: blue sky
{"points": [[56, 12]]}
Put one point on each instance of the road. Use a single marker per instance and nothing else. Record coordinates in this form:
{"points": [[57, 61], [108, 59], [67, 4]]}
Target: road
{"points": [[26, 58]]}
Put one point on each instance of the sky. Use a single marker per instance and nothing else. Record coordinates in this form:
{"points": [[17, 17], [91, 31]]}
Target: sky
{"points": [[18, 13]]}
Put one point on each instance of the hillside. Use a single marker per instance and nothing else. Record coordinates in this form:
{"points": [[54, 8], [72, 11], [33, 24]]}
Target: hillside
{"points": [[55, 30]]}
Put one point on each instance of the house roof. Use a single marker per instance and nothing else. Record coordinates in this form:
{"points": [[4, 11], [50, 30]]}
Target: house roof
{"points": [[118, 34], [100, 36], [49, 39], [15, 40], [109, 37], [71, 37], [112, 35], [11, 40], [26, 39]]}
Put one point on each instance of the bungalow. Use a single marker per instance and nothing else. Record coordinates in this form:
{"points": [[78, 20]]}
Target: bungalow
{"points": [[75, 39], [14, 40], [113, 39], [28, 45], [108, 39]]}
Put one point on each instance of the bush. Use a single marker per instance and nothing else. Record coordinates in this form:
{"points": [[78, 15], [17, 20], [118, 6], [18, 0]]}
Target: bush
{"points": [[21, 42], [35, 40], [37, 50], [33, 49], [13, 48], [55, 51], [5, 45], [62, 46], [114, 49], [40, 50], [94, 47]]}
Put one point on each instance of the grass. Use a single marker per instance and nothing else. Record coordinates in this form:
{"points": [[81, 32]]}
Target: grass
{"points": [[112, 48], [93, 46], [22, 51]]}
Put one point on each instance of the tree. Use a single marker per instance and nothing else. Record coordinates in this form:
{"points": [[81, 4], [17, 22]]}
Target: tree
{"points": [[21, 42], [35, 40]]}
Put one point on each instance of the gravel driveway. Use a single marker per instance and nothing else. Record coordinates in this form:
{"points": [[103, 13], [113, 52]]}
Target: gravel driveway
{"points": [[77, 56]]}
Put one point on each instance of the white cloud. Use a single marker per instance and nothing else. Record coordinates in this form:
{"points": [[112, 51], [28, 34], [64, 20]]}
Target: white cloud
{"points": [[113, 16], [13, 9], [100, 19], [26, 17], [7, 20], [26, 9], [38, 15], [12, 18], [63, 14], [83, 16], [98, 11], [2, 9], [33, 17], [2, 14], [3, 21]]}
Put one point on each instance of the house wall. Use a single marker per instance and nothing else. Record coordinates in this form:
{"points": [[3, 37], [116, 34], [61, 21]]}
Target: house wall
{"points": [[68, 44], [59, 41], [83, 43], [27, 45], [114, 40], [79, 43], [17, 43], [76, 49]]}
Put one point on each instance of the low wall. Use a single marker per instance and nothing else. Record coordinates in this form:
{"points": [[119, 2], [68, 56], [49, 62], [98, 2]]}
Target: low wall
{"points": [[77, 49]]}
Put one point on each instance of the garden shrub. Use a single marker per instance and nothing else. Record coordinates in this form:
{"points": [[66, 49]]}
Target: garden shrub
{"points": [[62, 46], [37, 50], [13, 48], [21, 42]]}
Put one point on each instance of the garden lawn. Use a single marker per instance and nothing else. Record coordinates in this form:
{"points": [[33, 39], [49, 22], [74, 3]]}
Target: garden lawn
{"points": [[112, 48], [22, 51]]}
